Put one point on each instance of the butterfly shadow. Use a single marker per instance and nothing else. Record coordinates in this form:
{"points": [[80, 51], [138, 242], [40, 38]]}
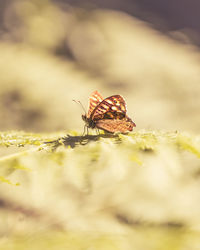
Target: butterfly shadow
{"points": [[74, 141]]}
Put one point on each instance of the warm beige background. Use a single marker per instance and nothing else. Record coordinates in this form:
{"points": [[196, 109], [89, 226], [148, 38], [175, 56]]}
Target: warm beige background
{"points": [[139, 191], [51, 54]]}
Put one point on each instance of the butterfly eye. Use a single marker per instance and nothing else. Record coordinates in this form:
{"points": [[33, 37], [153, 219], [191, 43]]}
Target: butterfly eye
{"points": [[84, 117]]}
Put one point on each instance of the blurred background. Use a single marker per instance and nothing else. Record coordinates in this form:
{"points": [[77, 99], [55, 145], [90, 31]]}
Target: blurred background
{"points": [[142, 192], [55, 51]]}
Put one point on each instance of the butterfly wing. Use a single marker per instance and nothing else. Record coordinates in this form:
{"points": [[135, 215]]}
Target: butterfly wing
{"points": [[112, 126], [113, 107], [94, 99]]}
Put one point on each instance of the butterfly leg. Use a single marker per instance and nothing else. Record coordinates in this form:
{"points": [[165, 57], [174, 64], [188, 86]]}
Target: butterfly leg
{"points": [[85, 128], [97, 131], [84, 131]]}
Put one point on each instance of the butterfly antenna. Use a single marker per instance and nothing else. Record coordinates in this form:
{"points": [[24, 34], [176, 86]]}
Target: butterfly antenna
{"points": [[78, 102]]}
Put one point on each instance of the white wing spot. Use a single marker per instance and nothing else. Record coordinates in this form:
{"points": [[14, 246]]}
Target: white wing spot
{"points": [[93, 98], [109, 101]]}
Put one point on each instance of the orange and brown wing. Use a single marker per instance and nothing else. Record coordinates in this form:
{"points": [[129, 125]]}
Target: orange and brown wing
{"points": [[123, 126], [113, 107], [94, 100]]}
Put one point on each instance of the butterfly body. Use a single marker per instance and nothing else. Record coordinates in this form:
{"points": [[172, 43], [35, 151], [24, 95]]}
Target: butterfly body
{"points": [[89, 122], [108, 114]]}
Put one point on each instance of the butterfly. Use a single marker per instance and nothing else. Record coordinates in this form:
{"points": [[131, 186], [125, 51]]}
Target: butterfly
{"points": [[108, 114]]}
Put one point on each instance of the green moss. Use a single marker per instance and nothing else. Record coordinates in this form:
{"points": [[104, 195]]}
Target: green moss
{"points": [[145, 141], [189, 143], [107, 191], [174, 239], [4, 180]]}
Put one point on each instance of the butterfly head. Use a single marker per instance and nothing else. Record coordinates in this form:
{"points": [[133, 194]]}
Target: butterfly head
{"points": [[84, 117], [88, 121]]}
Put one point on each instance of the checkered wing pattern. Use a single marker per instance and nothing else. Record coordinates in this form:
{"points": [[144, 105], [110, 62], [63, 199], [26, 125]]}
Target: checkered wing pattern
{"points": [[108, 114], [113, 107], [94, 99]]}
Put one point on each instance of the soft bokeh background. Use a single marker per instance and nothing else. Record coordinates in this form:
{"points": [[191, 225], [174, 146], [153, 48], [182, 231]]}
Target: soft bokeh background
{"points": [[140, 191], [56, 51]]}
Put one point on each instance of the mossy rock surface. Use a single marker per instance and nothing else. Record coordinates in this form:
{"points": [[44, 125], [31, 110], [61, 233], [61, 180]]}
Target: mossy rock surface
{"points": [[102, 191]]}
